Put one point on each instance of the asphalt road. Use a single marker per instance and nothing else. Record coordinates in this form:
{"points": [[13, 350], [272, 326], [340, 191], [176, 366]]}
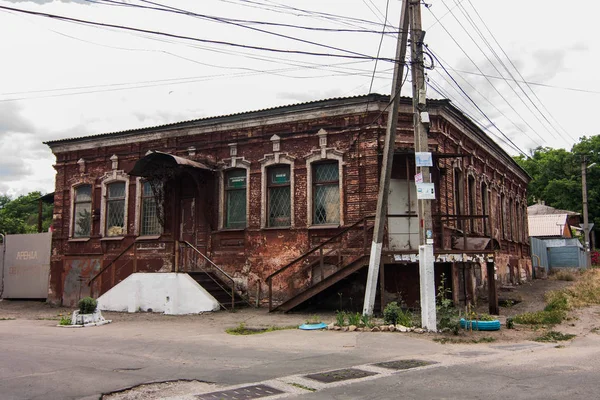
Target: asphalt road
{"points": [[41, 361]]}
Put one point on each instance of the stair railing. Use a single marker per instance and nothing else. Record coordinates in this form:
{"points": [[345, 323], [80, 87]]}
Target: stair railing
{"points": [[222, 273], [112, 264], [321, 253]]}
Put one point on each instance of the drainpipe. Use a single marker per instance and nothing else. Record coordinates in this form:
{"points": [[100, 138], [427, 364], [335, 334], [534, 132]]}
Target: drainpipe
{"points": [[3, 237]]}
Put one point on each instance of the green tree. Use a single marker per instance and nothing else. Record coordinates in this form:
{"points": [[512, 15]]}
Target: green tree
{"points": [[20, 215]]}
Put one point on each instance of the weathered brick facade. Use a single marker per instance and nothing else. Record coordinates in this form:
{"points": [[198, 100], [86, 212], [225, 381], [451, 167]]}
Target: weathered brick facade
{"points": [[353, 129]]}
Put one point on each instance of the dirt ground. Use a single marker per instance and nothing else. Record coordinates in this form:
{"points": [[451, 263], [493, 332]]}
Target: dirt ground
{"points": [[524, 298]]}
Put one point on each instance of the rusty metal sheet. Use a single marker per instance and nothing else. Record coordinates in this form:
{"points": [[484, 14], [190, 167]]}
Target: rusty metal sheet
{"points": [[76, 274], [27, 266], [473, 243]]}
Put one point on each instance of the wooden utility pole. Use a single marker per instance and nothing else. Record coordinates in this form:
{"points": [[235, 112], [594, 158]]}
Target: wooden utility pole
{"points": [[421, 126], [386, 166]]}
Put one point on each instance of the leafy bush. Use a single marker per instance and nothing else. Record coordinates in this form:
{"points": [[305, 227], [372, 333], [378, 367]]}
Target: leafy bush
{"points": [[340, 318], [447, 317], [87, 305], [393, 314], [510, 323], [595, 258]]}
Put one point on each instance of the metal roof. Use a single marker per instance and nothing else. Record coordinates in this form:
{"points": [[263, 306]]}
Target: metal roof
{"points": [[331, 102], [542, 209], [547, 225]]}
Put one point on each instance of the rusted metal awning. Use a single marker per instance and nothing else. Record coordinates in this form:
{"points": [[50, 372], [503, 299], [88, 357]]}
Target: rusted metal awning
{"points": [[157, 159], [473, 243]]}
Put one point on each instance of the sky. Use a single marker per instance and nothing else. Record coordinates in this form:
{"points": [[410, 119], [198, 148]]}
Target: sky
{"points": [[61, 79]]}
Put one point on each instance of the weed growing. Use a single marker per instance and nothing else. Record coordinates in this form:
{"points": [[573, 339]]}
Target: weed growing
{"points": [[541, 317], [7, 319], [303, 387], [242, 330], [554, 336], [453, 340], [66, 320]]}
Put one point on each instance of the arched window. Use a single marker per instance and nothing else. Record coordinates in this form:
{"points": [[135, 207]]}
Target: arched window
{"points": [[82, 211]]}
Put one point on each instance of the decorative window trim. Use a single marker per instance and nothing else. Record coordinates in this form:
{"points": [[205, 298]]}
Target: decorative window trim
{"points": [[316, 157], [268, 161], [137, 225], [72, 211], [105, 180], [230, 164]]}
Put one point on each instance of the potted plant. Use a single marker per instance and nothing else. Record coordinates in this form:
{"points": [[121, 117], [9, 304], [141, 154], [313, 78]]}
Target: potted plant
{"points": [[88, 313]]}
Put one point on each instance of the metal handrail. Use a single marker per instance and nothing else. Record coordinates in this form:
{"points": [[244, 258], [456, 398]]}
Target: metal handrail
{"points": [[219, 269], [110, 264], [354, 225], [320, 247]]}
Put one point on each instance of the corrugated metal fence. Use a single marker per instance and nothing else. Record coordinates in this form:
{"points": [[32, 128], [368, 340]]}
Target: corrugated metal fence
{"points": [[539, 253]]}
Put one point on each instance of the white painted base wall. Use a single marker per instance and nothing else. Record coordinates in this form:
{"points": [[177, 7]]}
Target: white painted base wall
{"points": [[171, 293]]}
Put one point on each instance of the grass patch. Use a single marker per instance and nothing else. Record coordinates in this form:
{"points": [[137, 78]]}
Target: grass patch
{"points": [[455, 340], [541, 317], [563, 275], [303, 387], [585, 292], [7, 319], [243, 330], [554, 336], [66, 320]]}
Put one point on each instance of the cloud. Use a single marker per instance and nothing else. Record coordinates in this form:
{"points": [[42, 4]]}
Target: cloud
{"points": [[301, 96], [11, 120], [47, 1]]}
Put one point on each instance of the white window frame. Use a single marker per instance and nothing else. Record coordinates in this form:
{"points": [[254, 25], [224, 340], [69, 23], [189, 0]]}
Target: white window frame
{"points": [[107, 179], [72, 211], [316, 159], [267, 162]]}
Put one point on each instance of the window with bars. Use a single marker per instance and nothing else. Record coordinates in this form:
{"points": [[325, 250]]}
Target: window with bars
{"points": [[82, 211], [149, 223], [326, 194], [115, 209], [279, 201], [235, 199]]}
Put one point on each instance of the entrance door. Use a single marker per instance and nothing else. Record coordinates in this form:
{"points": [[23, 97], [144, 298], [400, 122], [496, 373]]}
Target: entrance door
{"points": [[192, 224], [403, 233]]}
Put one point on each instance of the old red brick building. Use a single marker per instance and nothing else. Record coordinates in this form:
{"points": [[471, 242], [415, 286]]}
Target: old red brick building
{"points": [[282, 201]]}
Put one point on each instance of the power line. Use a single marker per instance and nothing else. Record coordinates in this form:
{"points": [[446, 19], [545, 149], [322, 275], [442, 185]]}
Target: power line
{"points": [[479, 69], [486, 42], [218, 42], [476, 106], [258, 22], [516, 69], [166, 8]]}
